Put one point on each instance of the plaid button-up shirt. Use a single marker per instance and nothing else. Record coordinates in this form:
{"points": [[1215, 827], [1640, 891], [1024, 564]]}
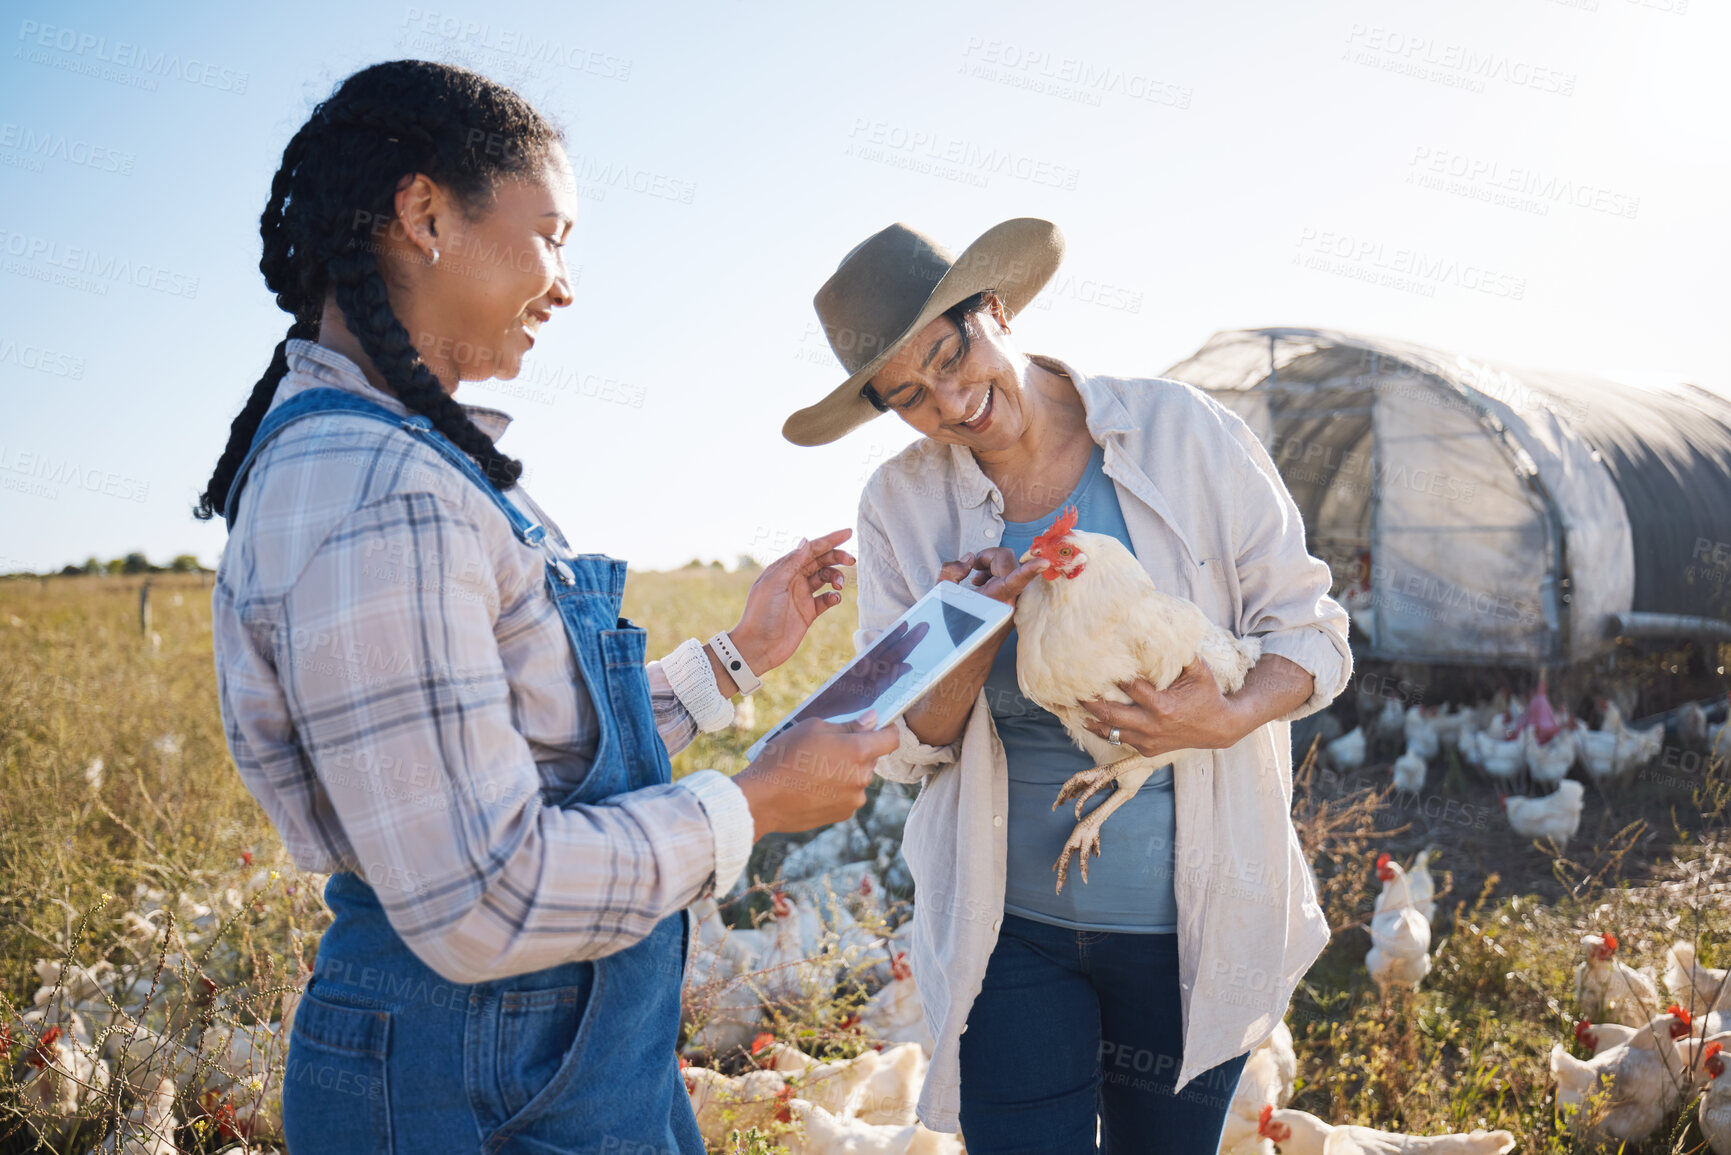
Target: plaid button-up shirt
{"points": [[399, 694]]}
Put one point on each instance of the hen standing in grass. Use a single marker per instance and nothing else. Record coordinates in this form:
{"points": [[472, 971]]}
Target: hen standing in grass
{"points": [[1642, 1080], [1399, 930], [1095, 621], [1611, 991], [1700, 988]]}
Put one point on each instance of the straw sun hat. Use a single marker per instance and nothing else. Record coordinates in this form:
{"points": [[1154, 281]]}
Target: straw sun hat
{"points": [[895, 283]]}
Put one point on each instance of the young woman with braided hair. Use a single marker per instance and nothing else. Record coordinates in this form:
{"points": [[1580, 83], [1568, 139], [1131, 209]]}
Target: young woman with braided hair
{"points": [[435, 698]]}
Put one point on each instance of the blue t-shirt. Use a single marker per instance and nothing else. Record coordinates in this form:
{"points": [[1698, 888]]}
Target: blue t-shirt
{"points": [[1129, 887]]}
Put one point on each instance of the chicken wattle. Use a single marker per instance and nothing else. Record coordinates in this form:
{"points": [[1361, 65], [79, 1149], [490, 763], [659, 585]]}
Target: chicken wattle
{"points": [[1095, 621]]}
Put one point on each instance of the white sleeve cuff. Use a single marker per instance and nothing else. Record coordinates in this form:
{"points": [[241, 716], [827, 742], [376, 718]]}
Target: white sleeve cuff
{"points": [[693, 681], [1318, 651], [729, 818], [912, 760]]}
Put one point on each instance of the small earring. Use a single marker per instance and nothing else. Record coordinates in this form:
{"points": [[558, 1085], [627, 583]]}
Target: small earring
{"points": [[435, 259]]}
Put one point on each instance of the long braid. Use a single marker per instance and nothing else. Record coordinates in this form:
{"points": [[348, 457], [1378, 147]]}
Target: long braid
{"points": [[336, 184], [280, 276]]}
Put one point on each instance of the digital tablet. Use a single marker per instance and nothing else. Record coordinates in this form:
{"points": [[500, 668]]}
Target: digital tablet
{"points": [[913, 655]]}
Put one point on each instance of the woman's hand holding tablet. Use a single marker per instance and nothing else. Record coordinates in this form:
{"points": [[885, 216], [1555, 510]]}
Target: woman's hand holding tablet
{"points": [[923, 645]]}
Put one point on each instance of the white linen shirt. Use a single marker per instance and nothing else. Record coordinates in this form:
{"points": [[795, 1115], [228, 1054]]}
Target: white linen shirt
{"points": [[1211, 521]]}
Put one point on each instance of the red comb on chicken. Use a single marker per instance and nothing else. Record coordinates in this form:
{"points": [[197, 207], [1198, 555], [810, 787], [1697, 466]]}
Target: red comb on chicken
{"points": [[1685, 1022], [1382, 868], [42, 1053], [1266, 1128], [899, 967], [1584, 1035], [1610, 947], [1713, 1060], [1064, 559]]}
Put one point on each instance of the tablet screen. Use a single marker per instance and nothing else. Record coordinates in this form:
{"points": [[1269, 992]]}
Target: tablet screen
{"points": [[914, 654]]}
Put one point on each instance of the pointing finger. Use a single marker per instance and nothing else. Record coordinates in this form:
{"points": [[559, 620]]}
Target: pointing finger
{"points": [[829, 540], [1017, 579]]}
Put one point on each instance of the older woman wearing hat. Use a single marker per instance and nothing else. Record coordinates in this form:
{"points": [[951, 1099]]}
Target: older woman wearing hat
{"points": [[1127, 1002]]}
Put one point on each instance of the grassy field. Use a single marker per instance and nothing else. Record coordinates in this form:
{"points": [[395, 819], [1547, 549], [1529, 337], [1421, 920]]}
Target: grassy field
{"points": [[119, 796]]}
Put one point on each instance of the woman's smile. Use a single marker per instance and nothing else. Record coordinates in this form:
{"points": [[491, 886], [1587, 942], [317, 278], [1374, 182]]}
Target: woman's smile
{"points": [[981, 418], [530, 324]]}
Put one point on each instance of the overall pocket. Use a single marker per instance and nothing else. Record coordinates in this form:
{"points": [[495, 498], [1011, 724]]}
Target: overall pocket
{"points": [[335, 1097], [536, 1032]]}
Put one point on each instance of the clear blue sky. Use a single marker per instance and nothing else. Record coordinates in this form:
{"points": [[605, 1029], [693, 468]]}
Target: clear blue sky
{"points": [[1194, 154]]}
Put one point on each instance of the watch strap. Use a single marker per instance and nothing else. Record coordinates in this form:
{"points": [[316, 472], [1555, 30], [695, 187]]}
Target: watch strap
{"points": [[734, 663]]}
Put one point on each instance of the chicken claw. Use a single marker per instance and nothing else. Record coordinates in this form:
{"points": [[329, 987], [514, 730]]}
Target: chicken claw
{"points": [[1083, 785], [1082, 839], [1127, 778]]}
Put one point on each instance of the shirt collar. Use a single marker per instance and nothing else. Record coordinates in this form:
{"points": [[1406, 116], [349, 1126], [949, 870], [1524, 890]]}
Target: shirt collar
{"points": [[1105, 415], [315, 366]]}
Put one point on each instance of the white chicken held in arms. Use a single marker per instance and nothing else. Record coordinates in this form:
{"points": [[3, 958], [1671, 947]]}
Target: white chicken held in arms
{"points": [[1095, 621]]}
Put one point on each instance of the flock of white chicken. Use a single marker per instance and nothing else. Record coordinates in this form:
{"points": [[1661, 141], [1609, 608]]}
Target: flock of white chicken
{"points": [[824, 933], [1645, 1060], [1648, 1056], [736, 982], [1521, 747], [87, 1029], [1259, 1120]]}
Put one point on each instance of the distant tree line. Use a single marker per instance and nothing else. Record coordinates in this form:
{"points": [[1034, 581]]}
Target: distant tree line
{"points": [[745, 562], [133, 563]]}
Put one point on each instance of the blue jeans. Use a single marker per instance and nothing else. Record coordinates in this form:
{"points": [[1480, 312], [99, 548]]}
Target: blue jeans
{"points": [[1074, 1024]]}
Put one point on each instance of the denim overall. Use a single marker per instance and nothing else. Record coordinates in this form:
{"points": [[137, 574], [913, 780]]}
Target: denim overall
{"points": [[386, 1055]]}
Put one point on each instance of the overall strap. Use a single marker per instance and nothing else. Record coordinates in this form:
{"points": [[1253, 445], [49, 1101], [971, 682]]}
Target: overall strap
{"points": [[327, 400]]}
